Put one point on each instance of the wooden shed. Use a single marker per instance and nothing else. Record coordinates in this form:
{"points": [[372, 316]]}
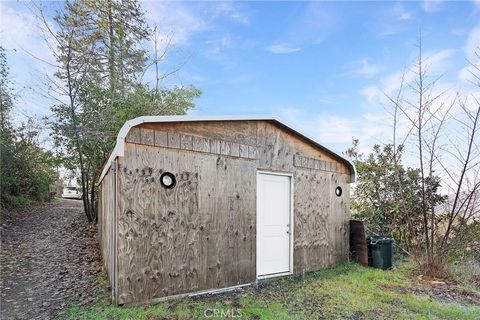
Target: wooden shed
{"points": [[195, 204]]}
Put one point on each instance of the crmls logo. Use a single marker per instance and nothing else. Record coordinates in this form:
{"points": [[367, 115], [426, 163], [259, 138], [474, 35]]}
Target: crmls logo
{"points": [[222, 313]]}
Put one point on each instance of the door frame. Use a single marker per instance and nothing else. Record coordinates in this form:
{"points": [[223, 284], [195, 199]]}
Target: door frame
{"points": [[291, 219]]}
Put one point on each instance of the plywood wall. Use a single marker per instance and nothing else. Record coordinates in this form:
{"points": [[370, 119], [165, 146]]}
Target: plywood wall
{"points": [[196, 236], [320, 217], [107, 225], [321, 220], [201, 234]]}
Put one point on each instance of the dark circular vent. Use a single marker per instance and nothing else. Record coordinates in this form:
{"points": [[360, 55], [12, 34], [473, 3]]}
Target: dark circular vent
{"points": [[338, 191], [167, 179]]}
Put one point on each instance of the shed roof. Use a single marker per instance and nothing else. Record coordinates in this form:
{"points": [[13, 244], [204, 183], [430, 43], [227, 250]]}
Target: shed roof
{"points": [[122, 134]]}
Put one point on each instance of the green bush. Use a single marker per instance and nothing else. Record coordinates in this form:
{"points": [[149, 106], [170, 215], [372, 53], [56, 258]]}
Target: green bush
{"points": [[27, 171]]}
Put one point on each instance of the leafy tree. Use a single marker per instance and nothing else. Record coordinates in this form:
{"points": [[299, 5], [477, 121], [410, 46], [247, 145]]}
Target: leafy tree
{"points": [[98, 48], [109, 33], [27, 171], [387, 196], [6, 93]]}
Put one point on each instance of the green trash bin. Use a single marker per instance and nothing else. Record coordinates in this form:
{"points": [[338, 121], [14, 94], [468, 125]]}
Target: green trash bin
{"points": [[380, 252]]}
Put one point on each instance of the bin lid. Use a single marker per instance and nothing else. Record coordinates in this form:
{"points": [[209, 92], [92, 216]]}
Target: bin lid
{"points": [[381, 239]]}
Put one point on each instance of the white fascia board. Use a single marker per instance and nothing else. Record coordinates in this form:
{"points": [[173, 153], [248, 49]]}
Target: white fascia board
{"points": [[119, 149]]}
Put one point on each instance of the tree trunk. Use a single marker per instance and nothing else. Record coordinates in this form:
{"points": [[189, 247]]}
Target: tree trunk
{"points": [[111, 52]]}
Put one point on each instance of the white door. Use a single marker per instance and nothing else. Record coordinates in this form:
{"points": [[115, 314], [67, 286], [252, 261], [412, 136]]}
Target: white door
{"points": [[273, 224]]}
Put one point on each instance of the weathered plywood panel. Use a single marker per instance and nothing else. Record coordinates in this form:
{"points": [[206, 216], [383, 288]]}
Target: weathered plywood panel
{"points": [[235, 149], [225, 147], [243, 150], [147, 136], [173, 139], [161, 139], [107, 224], [133, 135], [201, 144], [186, 142], [235, 131], [277, 148], [215, 146], [275, 144], [311, 163], [320, 220], [199, 235]]}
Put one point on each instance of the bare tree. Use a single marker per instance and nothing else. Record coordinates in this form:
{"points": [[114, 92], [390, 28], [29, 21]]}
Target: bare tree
{"points": [[72, 65], [444, 131]]}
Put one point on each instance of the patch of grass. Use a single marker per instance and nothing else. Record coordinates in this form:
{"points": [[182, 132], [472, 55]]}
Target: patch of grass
{"points": [[347, 291], [466, 272]]}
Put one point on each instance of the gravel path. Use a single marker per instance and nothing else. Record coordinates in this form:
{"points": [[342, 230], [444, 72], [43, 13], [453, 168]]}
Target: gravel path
{"points": [[49, 259]]}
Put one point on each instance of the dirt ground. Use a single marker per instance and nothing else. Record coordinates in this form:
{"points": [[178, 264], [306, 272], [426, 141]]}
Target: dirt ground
{"points": [[49, 258]]}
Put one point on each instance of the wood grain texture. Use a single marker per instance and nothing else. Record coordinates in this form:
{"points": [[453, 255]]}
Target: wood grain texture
{"points": [[106, 224], [225, 147], [186, 142], [243, 150], [133, 135], [200, 144], [321, 220], [278, 146], [175, 140], [196, 236], [315, 164], [201, 234], [161, 139], [147, 136], [235, 131]]}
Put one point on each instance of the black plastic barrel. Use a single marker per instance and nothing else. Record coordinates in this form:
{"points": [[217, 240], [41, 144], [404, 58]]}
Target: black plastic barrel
{"points": [[358, 243], [380, 252]]}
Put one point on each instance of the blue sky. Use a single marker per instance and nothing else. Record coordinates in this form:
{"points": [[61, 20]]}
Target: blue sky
{"points": [[322, 66]]}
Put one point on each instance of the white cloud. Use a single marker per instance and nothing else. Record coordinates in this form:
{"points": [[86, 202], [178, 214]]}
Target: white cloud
{"points": [[29, 58], [232, 12], [188, 20], [337, 131], [371, 93], [377, 122], [465, 74], [364, 68], [282, 48], [176, 18], [472, 54], [401, 13], [216, 45], [432, 5], [438, 61], [20, 30], [16, 28], [473, 43]]}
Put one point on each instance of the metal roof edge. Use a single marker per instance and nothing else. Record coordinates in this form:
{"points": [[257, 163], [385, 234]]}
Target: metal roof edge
{"points": [[119, 148]]}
